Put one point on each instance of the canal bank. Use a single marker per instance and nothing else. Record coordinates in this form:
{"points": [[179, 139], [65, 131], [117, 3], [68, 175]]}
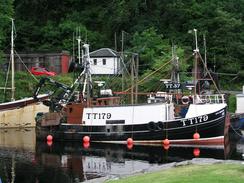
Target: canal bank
{"points": [[194, 166]]}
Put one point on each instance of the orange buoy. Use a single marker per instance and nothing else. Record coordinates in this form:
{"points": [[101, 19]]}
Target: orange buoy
{"points": [[196, 152], [129, 141], [49, 138], [129, 146], [86, 139], [49, 143], [86, 145], [196, 136], [166, 142], [166, 147]]}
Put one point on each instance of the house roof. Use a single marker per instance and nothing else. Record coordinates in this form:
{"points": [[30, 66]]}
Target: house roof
{"points": [[104, 52]]}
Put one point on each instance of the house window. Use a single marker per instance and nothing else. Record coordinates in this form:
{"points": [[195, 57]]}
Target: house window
{"points": [[104, 61], [95, 61]]}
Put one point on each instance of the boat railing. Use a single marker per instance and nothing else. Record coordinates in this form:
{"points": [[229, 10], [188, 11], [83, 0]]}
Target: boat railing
{"points": [[160, 97], [106, 101], [212, 99]]}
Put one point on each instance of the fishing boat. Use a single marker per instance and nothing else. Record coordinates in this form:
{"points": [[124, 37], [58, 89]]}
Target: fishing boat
{"points": [[19, 113], [76, 114]]}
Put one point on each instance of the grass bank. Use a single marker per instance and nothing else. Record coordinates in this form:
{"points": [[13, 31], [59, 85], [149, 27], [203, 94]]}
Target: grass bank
{"points": [[25, 84], [216, 173]]}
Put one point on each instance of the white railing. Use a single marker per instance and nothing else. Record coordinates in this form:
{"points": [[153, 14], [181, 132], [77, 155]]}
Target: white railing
{"points": [[211, 99], [161, 97]]}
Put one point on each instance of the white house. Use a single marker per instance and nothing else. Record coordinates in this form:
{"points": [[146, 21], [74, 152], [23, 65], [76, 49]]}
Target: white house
{"points": [[105, 61]]}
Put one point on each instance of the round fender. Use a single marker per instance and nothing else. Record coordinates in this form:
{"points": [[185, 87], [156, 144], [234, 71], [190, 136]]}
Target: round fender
{"points": [[160, 125], [151, 126]]}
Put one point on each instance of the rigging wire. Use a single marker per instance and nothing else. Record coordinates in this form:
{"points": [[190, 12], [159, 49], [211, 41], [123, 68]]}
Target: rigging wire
{"points": [[204, 64], [139, 82], [26, 67], [6, 80], [143, 79]]}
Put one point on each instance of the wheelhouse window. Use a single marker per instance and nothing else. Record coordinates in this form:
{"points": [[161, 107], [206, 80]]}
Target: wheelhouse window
{"points": [[104, 61], [95, 61]]}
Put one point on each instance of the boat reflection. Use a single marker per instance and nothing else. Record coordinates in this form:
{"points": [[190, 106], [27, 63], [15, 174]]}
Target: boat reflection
{"points": [[100, 160], [22, 159]]}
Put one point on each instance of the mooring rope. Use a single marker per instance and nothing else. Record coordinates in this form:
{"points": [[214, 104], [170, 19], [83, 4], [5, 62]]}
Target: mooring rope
{"points": [[240, 135]]}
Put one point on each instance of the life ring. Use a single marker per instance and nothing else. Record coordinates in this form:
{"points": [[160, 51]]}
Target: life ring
{"points": [[185, 100]]}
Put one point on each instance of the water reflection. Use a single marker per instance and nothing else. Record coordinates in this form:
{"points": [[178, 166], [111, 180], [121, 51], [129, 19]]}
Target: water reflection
{"points": [[23, 160], [18, 138]]}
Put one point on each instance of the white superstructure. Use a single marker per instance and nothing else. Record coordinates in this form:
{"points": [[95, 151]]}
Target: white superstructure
{"points": [[136, 114]]}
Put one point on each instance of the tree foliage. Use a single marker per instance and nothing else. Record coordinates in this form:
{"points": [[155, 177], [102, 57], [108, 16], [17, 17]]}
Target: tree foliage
{"points": [[6, 12], [151, 26]]}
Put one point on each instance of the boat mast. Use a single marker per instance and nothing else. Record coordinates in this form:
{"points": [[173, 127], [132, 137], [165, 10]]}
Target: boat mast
{"points": [[196, 52], [205, 53], [79, 41], [88, 79], [175, 77], [12, 62], [175, 71]]}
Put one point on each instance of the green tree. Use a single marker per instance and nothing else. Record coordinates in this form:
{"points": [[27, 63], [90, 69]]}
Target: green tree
{"points": [[155, 54], [6, 12], [50, 25]]}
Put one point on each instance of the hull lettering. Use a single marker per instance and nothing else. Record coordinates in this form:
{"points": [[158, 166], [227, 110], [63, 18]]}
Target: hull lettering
{"points": [[98, 115], [195, 120]]}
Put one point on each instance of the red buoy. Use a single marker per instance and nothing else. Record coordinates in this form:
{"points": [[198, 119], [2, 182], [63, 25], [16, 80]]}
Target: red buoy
{"points": [[34, 161], [49, 138], [166, 142], [86, 145], [86, 139], [196, 152], [196, 136], [129, 141], [129, 146], [49, 143], [166, 147]]}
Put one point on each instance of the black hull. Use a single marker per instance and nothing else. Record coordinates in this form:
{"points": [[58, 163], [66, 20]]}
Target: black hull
{"points": [[211, 127]]}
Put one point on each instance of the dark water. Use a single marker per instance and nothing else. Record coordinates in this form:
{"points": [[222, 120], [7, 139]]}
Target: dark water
{"points": [[23, 160]]}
